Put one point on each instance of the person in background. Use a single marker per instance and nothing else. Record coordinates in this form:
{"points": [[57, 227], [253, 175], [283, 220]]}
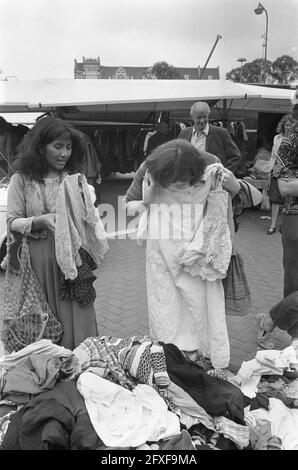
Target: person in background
{"points": [[275, 197], [159, 137], [283, 315], [261, 165], [51, 151], [286, 172], [212, 139]]}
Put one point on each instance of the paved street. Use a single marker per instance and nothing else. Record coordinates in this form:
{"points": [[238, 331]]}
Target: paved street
{"points": [[121, 303]]}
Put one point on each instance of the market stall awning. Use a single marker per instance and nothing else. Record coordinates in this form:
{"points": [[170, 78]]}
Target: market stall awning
{"points": [[265, 99], [115, 95], [26, 119]]}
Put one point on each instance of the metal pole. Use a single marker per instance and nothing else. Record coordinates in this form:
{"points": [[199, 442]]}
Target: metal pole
{"points": [[218, 37], [266, 40], [258, 11]]}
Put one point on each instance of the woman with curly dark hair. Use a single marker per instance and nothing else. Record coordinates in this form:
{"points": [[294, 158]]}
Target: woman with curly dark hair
{"points": [[48, 164], [46, 131]]}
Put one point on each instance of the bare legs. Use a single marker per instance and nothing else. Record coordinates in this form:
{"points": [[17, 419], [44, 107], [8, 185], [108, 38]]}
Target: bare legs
{"points": [[274, 215]]}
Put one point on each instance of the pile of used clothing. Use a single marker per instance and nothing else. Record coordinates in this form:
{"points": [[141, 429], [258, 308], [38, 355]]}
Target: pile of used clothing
{"points": [[270, 385], [137, 393]]}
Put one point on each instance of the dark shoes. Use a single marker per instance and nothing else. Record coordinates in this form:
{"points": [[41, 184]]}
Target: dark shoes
{"points": [[271, 230]]}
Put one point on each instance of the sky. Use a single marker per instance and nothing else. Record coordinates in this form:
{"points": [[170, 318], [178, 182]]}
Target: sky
{"points": [[41, 38]]}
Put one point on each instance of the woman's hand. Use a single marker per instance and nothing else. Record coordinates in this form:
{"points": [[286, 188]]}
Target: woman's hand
{"points": [[230, 182], [45, 221], [49, 221]]}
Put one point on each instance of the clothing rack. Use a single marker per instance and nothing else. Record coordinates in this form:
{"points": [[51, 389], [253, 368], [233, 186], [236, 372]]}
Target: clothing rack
{"points": [[227, 120], [110, 123]]}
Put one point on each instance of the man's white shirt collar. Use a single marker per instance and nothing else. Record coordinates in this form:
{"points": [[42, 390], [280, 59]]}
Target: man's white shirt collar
{"points": [[205, 130]]}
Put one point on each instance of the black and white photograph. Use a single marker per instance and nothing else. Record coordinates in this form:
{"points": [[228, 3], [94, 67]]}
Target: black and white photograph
{"points": [[149, 228]]}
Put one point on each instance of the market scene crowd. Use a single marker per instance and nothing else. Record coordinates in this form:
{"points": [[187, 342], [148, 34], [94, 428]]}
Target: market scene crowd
{"points": [[63, 385]]}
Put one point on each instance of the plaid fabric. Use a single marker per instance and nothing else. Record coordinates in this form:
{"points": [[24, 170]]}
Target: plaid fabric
{"points": [[128, 361], [94, 352], [142, 357], [235, 432], [138, 357]]}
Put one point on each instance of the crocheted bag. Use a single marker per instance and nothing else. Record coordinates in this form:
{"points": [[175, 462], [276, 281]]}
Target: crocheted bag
{"points": [[27, 314]]}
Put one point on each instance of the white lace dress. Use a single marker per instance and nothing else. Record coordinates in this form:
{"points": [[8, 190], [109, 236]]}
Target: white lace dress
{"points": [[208, 254], [183, 309]]}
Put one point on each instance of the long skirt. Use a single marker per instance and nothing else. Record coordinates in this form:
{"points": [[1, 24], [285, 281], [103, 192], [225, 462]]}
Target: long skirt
{"points": [[79, 323]]}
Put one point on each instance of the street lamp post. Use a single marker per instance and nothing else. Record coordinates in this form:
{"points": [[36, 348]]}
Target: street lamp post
{"points": [[241, 60], [258, 11]]}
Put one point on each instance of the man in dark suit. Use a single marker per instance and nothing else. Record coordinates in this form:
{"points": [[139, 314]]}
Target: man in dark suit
{"points": [[211, 139]]}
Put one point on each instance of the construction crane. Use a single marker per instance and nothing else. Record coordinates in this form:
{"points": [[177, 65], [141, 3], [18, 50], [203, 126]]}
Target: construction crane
{"points": [[218, 37]]}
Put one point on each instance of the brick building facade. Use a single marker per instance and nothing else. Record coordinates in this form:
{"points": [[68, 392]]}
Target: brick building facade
{"points": [[91, 68]]}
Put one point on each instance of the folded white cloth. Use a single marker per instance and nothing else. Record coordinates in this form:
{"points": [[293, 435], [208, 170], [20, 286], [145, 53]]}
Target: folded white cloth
{"points": [[126, 418]]}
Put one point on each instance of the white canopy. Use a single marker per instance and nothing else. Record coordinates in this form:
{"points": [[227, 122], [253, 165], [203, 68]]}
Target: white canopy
{"points": [[136, 95], [265, 99], [27, 119], [114, 95]]}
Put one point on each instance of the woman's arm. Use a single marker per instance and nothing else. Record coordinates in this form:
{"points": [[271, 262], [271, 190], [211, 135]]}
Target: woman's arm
{"points": [[134, 192], [16, 215], [230, 182], [148, 186]]}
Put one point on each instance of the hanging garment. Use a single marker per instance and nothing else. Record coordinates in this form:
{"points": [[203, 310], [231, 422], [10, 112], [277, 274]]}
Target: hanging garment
{"points": [[76, 221], [81, 288], [208, 254], [122, 418], [90, 164], [148, 136]]}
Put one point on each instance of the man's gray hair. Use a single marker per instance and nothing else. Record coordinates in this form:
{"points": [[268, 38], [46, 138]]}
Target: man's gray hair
{"points": [[199, 105]]}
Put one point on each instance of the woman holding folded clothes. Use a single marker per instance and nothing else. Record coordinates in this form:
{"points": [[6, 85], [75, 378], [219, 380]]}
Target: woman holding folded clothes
{"points": [[186, 302], [46, 183]]}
